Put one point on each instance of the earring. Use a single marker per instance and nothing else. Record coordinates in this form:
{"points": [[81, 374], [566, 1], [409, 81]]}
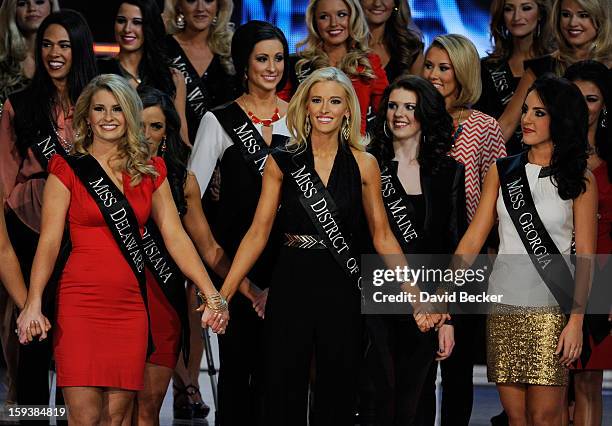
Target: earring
{"points": [[89, 131], [538, 29], [385, 129], [346, 130], [307, 126], [214, 21], [604, 118], [163, 145], [180, 21], [505, 33]]}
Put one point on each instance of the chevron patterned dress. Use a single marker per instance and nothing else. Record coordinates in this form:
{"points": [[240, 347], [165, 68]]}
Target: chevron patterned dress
{"points": [[478, 145]]}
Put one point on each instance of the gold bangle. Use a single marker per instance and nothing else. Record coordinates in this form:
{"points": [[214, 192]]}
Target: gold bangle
{"points": [[215, 302]]}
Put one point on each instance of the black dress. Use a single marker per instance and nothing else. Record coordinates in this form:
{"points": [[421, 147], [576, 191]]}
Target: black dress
{"points": [[498, 86], [313, 310], [213, 88]]}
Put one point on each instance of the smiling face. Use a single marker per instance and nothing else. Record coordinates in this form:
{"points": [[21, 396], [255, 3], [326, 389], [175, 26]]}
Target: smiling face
{"points": [[327, 107], [29, 14], [57, 52], [377, 12], [594, 100], [400, 114], [332, 21], [199, 14], [266, 65], [535, 120], [438, 69], [128, 28], [106, 117], [576, 24], [521, 17], [154, 125]]}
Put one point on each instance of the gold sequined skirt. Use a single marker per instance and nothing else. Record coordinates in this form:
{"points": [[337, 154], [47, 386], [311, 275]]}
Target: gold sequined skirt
{"points": [[521, 345]]}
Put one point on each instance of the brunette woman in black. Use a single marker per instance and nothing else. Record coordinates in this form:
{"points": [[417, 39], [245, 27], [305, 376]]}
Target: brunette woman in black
{"points": [[35, 124], [412, 138]]}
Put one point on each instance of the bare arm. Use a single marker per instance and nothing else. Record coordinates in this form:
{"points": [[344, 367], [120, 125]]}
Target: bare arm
{"points": [[483, 219], [417, 65], [255, 239], [199, 231], [56, 200], [10, 272], [180, 102], [512, 114]]}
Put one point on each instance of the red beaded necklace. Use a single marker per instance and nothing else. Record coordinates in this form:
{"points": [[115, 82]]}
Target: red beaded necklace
{"points": [[267, 122]]}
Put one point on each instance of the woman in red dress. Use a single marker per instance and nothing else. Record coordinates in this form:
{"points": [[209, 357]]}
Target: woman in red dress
{"points": [[100, 342], [338, 37], [593, 80]]}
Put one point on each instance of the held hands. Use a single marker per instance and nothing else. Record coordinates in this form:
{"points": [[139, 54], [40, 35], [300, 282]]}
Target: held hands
{"points": [[215, 313], [426, 321], [32, 323], [570, 344]]}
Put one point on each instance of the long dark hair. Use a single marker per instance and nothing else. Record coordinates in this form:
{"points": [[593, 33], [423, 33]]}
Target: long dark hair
{"points": [[569, 128], [177, 152], [42, 91], [154, 68], [403, 43], [245, 38], [598, 74], [436, 125]]}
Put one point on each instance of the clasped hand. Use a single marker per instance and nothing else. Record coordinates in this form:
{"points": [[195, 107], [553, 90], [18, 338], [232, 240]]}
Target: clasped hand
{"points": [[426, 321], [30, 324], [217, 321]]}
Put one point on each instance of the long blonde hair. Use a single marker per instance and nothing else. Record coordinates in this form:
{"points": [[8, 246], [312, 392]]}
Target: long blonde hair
{"points": [[601, 48], [355, 62], [220, 34], [12, 42], [298, 109], [132, 147]]}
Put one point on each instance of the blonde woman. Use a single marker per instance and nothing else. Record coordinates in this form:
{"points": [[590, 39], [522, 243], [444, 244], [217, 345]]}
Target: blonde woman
{"points": [[198, 44], [313, 306], [338, 37], [107, 191], [582, 30], [19, 20]]}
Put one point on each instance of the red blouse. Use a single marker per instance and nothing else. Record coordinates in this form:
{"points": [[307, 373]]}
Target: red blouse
{"points": [[604, 210]]}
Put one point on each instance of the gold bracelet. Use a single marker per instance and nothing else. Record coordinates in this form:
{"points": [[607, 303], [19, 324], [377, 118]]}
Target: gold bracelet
{"points": [[215, 302]]}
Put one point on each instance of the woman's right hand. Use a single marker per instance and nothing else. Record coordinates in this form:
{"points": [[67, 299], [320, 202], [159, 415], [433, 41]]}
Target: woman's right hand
{"points": [[217, 321], [31, 323]]}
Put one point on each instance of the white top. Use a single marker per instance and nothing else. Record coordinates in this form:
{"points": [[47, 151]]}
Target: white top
{"points": [[211, 142], [515, 276]]}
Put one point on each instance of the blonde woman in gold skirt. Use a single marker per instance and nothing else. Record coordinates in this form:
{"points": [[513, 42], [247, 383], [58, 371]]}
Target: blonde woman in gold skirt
{"points": [[541, 197]]}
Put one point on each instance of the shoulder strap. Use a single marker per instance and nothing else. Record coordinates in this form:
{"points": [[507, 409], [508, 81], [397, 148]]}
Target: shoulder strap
{"points": [[540, 246], [245, 136], [320, 208]]}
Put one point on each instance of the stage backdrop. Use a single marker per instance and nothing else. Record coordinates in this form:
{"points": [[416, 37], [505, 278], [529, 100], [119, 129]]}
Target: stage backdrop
{"points": [[433, 17]]}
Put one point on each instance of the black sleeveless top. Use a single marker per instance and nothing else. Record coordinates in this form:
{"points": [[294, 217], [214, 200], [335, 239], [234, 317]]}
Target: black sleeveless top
{"points": [[344, 185]]}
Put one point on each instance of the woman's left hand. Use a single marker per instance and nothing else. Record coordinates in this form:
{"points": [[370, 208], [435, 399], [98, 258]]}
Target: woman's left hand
{"points": [[446, 342], [217, 321], [570, 343]]}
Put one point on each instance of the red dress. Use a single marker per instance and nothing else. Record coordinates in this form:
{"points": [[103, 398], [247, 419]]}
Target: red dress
{"points": [[100, 334], [601, 356]]}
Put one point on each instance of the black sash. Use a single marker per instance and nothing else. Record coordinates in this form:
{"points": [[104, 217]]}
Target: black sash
{"points": [[502, 78], [399, 211], [196, 91], [320, 208], [169, 278], [537, 241], [245, 136], [45, 147], [119, 217]]}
